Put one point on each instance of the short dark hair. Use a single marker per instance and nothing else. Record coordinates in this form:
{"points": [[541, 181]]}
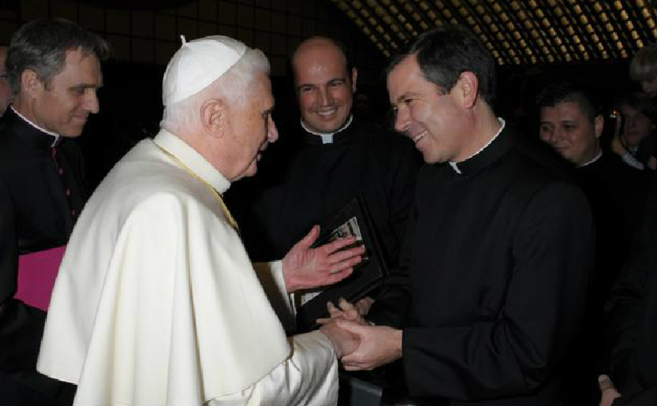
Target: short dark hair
{"points": [[446, 52], [644, 64], [41, 46], [562, 92], [638, 101]]}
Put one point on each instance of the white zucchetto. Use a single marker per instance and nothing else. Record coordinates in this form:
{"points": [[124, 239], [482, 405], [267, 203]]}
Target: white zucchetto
{"points": [[197, 64]]}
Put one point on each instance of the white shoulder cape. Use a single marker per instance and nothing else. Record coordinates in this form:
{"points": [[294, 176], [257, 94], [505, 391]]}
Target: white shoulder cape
{"points": [[156, 302]]}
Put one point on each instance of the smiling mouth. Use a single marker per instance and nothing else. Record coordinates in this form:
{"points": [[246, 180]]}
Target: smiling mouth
{"points": [[327, 113], [418, 137]]}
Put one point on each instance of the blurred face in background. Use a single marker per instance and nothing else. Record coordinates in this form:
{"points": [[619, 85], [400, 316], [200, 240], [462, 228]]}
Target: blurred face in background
{"points": [[636, 126], [649, 87], [570, 132]]}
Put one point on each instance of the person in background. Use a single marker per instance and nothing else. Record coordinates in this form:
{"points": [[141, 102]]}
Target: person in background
{"points": [[327, 158], [636, 142], [643, 70], [53, 68], [571, 123]]}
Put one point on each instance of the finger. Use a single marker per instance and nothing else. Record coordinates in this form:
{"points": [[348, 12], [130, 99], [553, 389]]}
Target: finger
{"points": [[345, 305], [364, 305], [353, 362], [348, 263], [339, 256], [310, 238], [332, 309], [350, 327], [339, 244], [605, 383], [323, 320], [336, 277]]}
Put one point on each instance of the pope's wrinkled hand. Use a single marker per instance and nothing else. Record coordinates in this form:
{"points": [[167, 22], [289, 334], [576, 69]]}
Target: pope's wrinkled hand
{"points": [[306, 268]]}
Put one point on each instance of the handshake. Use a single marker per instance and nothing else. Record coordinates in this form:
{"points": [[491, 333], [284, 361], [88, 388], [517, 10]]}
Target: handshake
{"points": [[359, 344]]}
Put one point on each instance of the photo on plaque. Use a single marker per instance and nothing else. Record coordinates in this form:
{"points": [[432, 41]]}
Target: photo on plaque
{"points": [[348, 229]]}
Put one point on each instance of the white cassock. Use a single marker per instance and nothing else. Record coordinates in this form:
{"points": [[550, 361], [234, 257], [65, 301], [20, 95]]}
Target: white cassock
{"points": [[156, 301]]}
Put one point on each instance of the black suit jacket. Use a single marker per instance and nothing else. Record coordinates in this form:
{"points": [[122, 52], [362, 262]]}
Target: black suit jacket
{"points": [[41, 195]]}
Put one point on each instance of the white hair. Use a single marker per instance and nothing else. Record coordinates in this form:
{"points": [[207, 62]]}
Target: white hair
{"points": [[234, 87]]}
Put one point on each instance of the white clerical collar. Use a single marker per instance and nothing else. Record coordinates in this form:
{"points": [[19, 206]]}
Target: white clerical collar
{"points": [[454, 165], [327, 138], [192, 159], [592, 160], [57, 136]]}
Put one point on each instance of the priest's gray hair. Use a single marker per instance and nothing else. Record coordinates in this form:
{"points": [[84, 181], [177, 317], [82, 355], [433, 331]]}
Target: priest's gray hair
{"points": [[234, 87]]}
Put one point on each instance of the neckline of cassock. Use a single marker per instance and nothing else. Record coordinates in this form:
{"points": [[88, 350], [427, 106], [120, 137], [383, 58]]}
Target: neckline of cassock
{"points": [[498, 147], [25, 133], [339, 138]]}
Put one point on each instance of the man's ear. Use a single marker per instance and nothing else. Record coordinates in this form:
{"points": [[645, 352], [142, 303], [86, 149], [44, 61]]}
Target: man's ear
{"points": [[354, 77], [213, 117], [599, 125], [31, 84], [468, 88]]}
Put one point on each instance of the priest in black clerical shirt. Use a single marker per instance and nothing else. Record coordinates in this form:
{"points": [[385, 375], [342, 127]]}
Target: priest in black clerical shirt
{"points": [[53, 67], [572, 125], [324, 161], [499, 250]]}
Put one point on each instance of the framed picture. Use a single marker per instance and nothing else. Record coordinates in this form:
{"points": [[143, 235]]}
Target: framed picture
{"points": [[352, 220]]}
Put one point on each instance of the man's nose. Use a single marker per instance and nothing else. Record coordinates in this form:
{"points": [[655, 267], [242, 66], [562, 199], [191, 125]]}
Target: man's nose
{"points": [[401, 119], [326, 97], [272, 135], [91, 103]]}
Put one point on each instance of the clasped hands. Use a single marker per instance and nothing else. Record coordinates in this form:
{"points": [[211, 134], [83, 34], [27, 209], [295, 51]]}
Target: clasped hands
{"points": [[359, 344]]}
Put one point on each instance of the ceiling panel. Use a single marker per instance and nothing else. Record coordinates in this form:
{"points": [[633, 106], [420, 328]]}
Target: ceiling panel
{"points": [[517, 32]]}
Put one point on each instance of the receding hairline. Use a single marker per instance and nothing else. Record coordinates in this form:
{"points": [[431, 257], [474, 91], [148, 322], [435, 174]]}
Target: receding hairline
{"points": [[318, 43]]}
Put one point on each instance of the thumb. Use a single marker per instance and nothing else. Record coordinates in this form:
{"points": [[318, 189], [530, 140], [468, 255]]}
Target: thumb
{"points": [[310, 238], [605, 383], [350, 326]]}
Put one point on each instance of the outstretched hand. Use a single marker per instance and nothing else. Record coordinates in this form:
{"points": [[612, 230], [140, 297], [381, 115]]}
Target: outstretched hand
{"points": [[306, 268]]}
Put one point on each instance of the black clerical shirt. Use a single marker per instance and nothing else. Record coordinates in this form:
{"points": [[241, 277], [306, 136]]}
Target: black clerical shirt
{"points": [[500, 257]]}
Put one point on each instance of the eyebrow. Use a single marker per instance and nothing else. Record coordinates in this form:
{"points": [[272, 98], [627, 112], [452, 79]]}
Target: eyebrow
{"points": [[85, 86], [404, 96]]}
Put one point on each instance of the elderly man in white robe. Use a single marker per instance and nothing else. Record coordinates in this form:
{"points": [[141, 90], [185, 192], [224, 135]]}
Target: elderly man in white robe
{"points": [[156, 302]]}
